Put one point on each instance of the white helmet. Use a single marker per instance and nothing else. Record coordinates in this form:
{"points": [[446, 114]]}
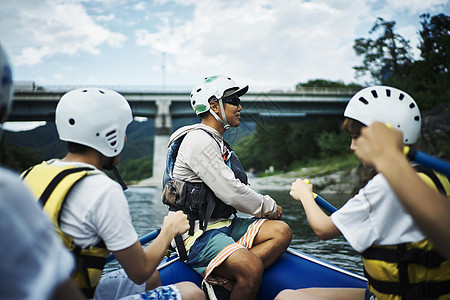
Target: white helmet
{"points": [[97, 118], [386, 105], [213, 86], [216, 87], [6, 86]]}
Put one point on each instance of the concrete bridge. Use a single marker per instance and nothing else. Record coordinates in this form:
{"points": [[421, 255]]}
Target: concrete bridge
{"points": [[39, 105]]}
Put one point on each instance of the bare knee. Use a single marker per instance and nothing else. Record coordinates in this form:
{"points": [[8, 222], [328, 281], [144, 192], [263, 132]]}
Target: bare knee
{"points": [[282, 232], [190, 291]]}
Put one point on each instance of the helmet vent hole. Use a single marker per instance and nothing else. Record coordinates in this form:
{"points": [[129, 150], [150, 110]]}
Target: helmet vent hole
{"points": [[84, 91], [363, 100], [110, 133], [111, 137], [374, 93], [198, 91], [401, 96], [97, 134], [193, 102], [192, 95], [101, 92], [412, 105], [71, 121], [388, 93], [417, 118]]}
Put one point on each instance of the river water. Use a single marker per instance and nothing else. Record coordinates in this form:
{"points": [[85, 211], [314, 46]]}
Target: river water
{"points": [[147, 212]]}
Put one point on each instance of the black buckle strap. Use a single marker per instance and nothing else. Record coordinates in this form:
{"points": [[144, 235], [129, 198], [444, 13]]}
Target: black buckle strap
{"points": [[429, 259], [428, 290], [181, 248], [58, 178]]}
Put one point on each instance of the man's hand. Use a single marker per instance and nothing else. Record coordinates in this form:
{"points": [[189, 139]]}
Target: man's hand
{"points": [[376, 142], [278, 213], [176, 223]]}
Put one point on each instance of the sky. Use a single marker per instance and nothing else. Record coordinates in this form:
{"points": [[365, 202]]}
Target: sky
{"points": [[173, 44]]}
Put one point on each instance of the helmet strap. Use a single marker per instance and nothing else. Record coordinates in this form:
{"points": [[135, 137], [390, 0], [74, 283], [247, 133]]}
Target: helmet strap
{"points": [[113, 168], [222, 120]]}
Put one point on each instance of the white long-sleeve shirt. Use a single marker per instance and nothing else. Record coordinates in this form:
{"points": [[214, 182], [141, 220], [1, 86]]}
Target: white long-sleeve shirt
{"points": [[200, 160]]}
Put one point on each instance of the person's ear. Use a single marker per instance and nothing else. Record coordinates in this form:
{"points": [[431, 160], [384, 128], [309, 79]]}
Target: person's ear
{"points": [[214, 106]]}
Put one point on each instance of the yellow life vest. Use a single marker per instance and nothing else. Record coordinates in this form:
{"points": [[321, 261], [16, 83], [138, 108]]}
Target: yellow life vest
{"points": [[51, 185], [410, 270]]}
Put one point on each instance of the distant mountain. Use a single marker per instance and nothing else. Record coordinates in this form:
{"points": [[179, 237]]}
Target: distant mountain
{"points": [[44, 144], [42, 140]]}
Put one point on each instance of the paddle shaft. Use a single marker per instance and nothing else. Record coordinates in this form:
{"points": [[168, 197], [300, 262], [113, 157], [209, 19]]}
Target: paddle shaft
{"points": [[324, 204], [429, 161]]}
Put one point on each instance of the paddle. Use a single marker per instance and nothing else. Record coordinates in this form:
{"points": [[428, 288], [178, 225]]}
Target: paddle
{"points": [[322, 202], [427, 160], [143, 240]]}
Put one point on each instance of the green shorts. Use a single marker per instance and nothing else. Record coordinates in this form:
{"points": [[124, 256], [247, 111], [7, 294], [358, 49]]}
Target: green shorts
{"points": [[215, 245]]}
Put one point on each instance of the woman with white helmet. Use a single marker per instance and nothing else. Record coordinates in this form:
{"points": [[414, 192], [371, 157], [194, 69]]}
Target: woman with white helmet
{"points": [[399, 261], [90, 211]]}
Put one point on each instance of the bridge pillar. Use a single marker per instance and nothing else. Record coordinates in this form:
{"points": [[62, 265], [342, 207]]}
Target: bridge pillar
{"points": [[163, 126]]}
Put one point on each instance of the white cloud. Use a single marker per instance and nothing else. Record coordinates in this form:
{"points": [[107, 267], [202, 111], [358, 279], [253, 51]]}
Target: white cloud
{"points": [[44, 28], [261, 42], [107, 18], [140, 6], [269, 42]]}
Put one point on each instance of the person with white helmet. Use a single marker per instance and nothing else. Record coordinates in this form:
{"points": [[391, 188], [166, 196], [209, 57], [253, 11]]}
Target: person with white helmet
{"points": [[230, 253], [382, 147], [35, 264], [90, 211], [399, 261]]}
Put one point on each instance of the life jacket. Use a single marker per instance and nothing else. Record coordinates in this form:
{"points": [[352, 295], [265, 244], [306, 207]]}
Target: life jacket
{"points": [[413, 270], [50, 185], [197, 200]]}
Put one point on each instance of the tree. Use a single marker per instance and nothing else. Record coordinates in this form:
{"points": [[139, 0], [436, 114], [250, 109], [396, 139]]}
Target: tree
{"points": [[389, 62], [384, 56], [326, 83], [435, 44]]}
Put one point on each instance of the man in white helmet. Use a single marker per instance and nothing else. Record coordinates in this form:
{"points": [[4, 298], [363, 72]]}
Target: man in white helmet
{"points": [[35, 264], [230, 253], [90, 211], [399, 261]]}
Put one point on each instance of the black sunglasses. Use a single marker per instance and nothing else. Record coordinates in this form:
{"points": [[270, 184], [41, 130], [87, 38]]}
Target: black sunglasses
{"points": [[233, 100]]}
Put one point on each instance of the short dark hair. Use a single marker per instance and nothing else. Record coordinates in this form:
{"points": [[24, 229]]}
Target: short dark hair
{"points": [[76, 148], [352, 127]]}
